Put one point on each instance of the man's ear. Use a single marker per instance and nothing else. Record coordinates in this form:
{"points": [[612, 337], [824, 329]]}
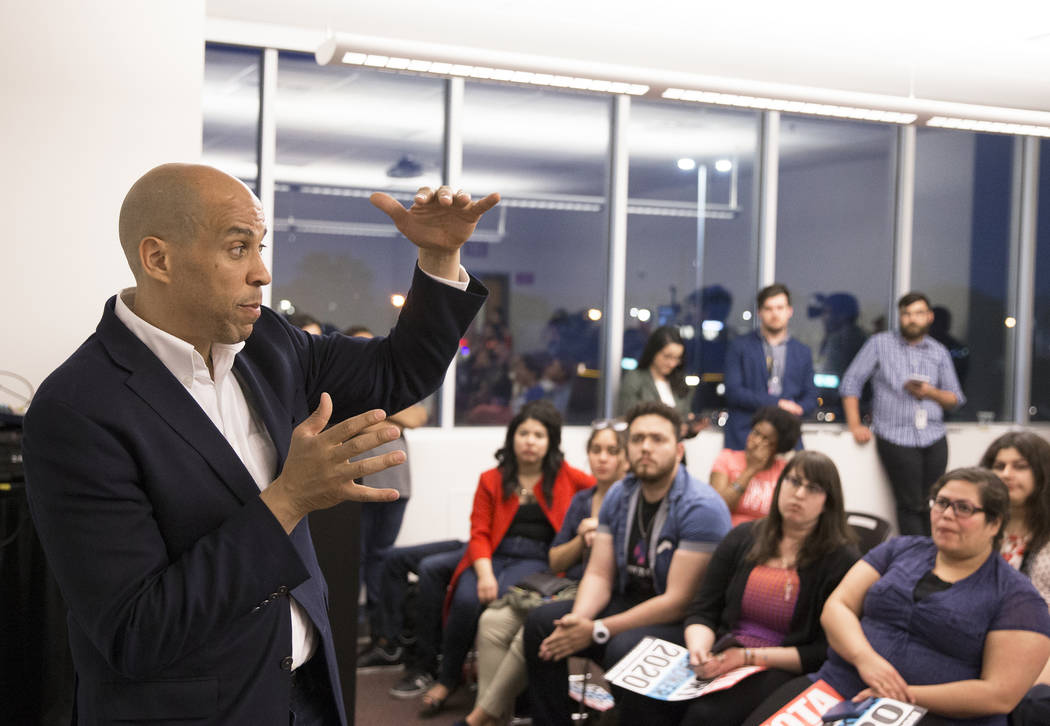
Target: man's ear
{"points": [[155, 258], [680, 451]]}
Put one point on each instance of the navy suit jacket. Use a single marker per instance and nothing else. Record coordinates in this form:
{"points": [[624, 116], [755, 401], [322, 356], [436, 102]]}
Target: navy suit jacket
{"points": [[746, 389], [175, 572]]}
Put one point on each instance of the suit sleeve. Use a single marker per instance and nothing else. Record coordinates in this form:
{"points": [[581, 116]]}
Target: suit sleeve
{"points": [[141, 607], [394, 372]]}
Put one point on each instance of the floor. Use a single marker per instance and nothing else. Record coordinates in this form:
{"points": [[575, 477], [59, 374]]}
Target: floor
{"points": [[376, 707]]}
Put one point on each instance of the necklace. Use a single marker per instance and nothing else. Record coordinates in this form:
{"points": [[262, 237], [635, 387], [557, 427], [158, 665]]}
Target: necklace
{"points": [[787, 567], [643, 528]]}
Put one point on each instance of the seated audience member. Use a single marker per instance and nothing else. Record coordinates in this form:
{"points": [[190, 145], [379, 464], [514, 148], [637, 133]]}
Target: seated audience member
{"points": [[656, 531], [765, 588], [501, 655], [746, 479], [1022, 460], [660, 376], [942, 622], [433, 564], [518, 508], [381, 523]]}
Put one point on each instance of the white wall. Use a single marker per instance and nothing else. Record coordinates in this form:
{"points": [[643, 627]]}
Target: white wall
{"points": [[94, 94], [446, 464]]}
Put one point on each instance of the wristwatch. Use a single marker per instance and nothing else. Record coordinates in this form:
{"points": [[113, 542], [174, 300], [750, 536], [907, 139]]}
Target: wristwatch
{"points": [[600, 632]]}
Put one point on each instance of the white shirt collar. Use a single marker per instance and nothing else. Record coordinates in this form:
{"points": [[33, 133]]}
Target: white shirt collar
{"points": [[178, 356]]}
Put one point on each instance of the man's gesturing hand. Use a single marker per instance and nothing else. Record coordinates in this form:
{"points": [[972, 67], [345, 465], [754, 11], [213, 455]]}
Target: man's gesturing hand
{"points": [[318, 474], [438, 222]]}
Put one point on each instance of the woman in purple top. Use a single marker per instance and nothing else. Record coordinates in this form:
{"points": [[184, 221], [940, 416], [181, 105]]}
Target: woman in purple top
{"points": [[944, 623]]}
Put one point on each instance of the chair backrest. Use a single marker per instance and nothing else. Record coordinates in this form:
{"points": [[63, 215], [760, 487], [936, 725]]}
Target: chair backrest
{"points": [[870, 529]]}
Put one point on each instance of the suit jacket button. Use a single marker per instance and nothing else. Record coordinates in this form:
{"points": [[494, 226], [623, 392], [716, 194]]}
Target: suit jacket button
{"points": [[286, 663], [282, 590]]}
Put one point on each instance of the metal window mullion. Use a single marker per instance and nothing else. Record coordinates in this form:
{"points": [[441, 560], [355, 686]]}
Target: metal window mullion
{"points": [[1024, 313], [615, 293], [266, 153], [768, 185], [451, 173], [903, 217]]}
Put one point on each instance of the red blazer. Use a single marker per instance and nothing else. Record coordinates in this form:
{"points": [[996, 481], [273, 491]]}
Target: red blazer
{"points": [[492, 514]]}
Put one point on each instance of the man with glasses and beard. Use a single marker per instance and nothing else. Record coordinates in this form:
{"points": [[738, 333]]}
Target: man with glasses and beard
{"points": [[656, 531], [914, 383]]}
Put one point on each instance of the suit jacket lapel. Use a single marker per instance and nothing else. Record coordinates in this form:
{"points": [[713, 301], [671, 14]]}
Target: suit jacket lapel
{"points": [[156, 385]]}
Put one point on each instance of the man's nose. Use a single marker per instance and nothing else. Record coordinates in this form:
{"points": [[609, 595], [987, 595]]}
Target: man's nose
{"points": [[259, 275]]}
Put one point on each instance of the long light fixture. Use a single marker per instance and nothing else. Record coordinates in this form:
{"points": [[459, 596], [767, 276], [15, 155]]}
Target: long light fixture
{"points": [[780, 104], [992, 127], [487, 64], [487, 73]]}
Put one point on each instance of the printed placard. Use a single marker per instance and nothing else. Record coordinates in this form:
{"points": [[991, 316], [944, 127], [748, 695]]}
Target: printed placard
{"points": [[660, 669], [808, 708]]}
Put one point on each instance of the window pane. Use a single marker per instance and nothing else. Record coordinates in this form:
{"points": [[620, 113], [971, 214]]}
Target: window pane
{"points": [[961, 256], [677, 153], [343, 133], [230, 109], [542, 254], [835, 239], [1040, 407]]}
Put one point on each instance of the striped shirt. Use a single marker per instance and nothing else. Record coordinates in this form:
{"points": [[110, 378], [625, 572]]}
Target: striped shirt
{"points": [[890, 361]]}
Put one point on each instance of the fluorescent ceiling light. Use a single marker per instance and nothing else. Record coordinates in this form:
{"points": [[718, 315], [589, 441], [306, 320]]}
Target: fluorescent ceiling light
{"points": [[993, 127], [507, 75], [781, 104]]}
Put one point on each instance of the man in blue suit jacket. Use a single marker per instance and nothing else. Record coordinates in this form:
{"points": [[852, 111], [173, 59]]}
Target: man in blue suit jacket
{"points": [[172, 459], [767, 368]]}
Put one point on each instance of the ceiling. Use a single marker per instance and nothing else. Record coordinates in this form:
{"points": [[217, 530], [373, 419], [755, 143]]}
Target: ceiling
{"points": [[966, 51]]}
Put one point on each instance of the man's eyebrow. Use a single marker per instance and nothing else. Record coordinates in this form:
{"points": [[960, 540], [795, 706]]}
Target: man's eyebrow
{"points": [[236, 231]]}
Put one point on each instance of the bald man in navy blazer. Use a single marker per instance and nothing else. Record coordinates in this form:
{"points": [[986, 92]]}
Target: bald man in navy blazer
{"points": [[172, 459]]}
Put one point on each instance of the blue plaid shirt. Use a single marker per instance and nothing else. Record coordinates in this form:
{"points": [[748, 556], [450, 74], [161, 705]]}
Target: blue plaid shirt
{"points": [[890, 361]]}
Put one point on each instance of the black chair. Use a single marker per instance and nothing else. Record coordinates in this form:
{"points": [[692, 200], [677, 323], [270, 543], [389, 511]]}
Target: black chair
{"points": [[870, 529]]}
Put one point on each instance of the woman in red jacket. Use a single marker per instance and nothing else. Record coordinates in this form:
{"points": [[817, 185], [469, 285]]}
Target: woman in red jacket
{"points": [[518, 508]]}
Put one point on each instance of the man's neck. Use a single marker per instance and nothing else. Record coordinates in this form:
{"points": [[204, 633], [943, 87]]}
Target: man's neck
{"points": [[774, 338], [654, 491]]}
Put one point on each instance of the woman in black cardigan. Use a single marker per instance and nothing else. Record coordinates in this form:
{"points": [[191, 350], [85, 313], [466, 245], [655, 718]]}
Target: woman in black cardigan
{"points": [[762, 594]]}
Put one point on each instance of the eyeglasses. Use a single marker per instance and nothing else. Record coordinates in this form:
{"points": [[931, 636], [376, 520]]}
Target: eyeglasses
{"points": [[808, 487], [609, 423], [963, 509]]}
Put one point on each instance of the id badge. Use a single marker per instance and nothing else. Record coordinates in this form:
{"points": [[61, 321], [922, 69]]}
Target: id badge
{"points": [[920, 418]]}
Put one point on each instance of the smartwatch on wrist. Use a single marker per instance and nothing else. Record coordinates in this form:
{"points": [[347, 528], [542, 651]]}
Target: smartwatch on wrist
{"points": [[600, 633]]}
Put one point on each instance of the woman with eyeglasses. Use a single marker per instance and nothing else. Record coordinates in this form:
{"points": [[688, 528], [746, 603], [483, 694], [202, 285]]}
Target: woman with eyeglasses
{"points": [[1022, 460], [761, 597], [660, 376], [518, 508], [502, 674], [942, 621]]}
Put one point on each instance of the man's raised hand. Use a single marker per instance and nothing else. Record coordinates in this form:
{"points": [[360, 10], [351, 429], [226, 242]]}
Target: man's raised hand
{"points": [[438, 222]]}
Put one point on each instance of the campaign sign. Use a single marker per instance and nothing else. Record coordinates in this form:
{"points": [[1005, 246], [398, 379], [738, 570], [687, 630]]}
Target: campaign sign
{"points": [[808, 708]]}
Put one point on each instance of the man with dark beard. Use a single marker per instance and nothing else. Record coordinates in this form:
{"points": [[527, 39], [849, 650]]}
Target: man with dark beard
{"points": [[656, 531], [914, 383]]}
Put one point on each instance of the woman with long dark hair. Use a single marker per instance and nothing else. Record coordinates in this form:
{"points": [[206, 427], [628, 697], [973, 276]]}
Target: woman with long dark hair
{"points": [[660, 375], [1021, 459], [518, 508], [502, 672], [761, 597]]}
